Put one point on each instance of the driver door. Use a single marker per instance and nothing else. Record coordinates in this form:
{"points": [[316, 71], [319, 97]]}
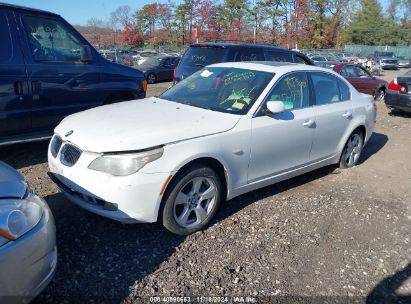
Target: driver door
{"points": [[282, 142], [60, 84]]}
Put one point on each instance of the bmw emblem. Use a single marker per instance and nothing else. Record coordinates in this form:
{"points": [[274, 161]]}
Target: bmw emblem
{"points": [[69, 133]]}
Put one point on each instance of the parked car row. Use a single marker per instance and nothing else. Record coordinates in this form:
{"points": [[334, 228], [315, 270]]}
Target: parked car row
{"points": [[398, 96]]}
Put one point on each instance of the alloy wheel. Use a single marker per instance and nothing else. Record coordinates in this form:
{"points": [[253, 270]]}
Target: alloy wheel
{"points": [[195, 201], [151, 78]]}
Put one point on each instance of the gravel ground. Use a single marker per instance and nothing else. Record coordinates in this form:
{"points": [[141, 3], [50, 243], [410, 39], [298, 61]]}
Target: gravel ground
{"points": [[325, 237]]}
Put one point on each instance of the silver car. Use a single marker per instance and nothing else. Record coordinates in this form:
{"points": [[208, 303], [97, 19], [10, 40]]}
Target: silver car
{"points": [[28, 254]]}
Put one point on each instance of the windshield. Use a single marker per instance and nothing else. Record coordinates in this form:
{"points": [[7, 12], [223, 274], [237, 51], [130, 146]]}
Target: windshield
{"points": [[202, 56], [228, 90]]}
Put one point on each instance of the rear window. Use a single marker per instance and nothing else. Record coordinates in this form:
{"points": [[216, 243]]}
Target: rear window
{"points": [[202, 56], [6, 49]]}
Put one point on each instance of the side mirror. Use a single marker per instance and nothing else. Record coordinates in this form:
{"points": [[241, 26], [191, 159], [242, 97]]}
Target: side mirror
{"points": [[275, 107], [85, 54]]}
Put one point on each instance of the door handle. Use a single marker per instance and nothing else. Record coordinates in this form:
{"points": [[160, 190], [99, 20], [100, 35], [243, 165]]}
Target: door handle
{"points": [[18, 88], [347, 115], [309, 123]]}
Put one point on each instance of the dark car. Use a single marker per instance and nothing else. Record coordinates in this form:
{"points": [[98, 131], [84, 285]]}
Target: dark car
{"points": [[159, 68], [48, 71], [362, 79], [398, 95], [199, 55], [387, 60]]}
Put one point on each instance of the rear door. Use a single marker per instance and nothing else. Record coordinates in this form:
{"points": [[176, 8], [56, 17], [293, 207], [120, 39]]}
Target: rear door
{"points": [[15, 103], [333, 113], [59, 82]]}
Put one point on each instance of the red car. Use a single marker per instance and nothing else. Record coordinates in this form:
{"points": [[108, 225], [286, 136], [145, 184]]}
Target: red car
{"points": [[362, 80]]}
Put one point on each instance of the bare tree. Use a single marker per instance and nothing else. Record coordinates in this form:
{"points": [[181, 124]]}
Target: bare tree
{"points": [[120, 17]]}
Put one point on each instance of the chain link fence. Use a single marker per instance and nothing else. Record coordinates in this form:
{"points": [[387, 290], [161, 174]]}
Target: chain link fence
{"points": [[368, 50]]}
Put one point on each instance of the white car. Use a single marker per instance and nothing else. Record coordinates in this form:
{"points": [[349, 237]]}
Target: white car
{"points": [[228, 129]]}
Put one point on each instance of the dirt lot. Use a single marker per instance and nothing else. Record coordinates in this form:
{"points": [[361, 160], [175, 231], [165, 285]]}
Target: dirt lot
{"points": [[328, 236]]}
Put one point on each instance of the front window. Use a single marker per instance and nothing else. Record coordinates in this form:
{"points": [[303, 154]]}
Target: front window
{"points": [[50, 40], [292, 91], [225, 89], [6, 50]]}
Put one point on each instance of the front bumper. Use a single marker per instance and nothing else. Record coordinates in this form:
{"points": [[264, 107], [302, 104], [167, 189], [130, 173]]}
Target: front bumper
{"points": [[398, 101], [28, 264], [129, 199]]}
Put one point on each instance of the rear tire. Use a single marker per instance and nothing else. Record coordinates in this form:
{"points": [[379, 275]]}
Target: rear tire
{"points": [[191, 200], [352, 150]]}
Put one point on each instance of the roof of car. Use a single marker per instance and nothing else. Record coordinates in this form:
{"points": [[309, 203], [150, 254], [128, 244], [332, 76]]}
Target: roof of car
{"points": [[24, 8], [269, 66]]}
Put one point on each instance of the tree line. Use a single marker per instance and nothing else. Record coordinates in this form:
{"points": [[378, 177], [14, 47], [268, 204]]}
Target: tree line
{"points": [[289, 23]]}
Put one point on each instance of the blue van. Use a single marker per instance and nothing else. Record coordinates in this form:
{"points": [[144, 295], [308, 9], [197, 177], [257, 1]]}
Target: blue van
{"points": [[199, 55], [48, 71]]}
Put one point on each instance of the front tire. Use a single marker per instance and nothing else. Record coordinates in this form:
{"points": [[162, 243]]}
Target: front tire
{"points": [[352, 150], [191, 200]]}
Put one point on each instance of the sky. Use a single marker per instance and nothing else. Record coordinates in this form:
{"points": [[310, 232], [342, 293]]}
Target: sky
{"points": [[79, 11]]}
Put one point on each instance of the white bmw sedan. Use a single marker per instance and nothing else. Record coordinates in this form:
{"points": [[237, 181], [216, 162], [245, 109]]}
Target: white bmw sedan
{"points": [[228, 129]]}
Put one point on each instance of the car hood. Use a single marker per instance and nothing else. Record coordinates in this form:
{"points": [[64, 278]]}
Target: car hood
{"points": [[141, 124], [12, 184]]}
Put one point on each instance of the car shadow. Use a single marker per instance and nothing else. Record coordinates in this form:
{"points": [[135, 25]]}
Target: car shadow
{"points": [[233, 206], [376, 142], [25, 154], [399, 113], [386, 291]]}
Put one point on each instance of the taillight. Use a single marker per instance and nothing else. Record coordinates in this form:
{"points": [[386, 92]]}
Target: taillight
{"points": [[394, 86], [144, 85]]}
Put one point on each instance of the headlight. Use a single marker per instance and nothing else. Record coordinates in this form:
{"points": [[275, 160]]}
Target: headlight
{"points": [[18, 216], [125, 164]]}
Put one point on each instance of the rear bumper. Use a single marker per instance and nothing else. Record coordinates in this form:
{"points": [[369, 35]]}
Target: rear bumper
{"points": [[398, 101], [29, 263]]}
